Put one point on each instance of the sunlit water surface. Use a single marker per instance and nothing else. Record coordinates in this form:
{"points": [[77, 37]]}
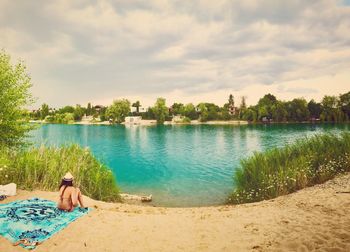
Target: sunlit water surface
{"points": [[179, 165]]}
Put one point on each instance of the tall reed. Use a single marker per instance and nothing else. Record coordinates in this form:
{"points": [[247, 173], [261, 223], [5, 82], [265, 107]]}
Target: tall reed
{"points": [[43, 168], [277, 172]]}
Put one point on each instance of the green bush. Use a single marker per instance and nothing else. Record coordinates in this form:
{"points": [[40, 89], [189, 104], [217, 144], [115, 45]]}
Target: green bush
{"points": [[186, 120], [68, 118], [50, 118], [278, 172], [43, 168]]}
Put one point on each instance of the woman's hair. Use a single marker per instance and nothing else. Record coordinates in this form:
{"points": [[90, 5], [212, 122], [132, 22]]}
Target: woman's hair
{"points": [[66, 183]]}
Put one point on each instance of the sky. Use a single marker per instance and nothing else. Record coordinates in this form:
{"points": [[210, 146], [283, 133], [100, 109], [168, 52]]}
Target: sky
{"points": [[185, 51]]}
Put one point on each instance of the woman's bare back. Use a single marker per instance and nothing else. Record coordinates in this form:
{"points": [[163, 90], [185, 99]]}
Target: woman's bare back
{"points": [[69, 198]]}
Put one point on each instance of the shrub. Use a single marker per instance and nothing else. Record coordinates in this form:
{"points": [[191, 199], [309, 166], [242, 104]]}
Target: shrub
{"points": [[186, 120], [281, 171], [50, 118], [43, 168]]}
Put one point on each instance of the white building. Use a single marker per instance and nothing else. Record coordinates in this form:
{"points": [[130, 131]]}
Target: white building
{"points": [[177, 118], [141, 109], [133, 119]]}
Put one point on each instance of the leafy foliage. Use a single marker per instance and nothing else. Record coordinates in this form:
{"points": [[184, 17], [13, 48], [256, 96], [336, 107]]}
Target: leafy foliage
{"points": [[43, 168], [160, 110], [190, 111], [118, 110], [268, 108], [203, 112], [15, 83], [88, 109], [44, 111], [281, 171], [137, 105], [78, 112]]}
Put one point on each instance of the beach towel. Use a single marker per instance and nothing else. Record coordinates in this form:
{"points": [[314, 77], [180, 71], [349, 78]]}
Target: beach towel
{"points": [[34, 219]]}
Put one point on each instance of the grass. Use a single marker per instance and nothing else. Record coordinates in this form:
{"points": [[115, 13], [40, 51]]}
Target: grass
{"points": [[43, 168], [281, 171]]}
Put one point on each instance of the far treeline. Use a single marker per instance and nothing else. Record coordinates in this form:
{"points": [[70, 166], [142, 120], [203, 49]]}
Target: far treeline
{"points": [[268, 109]]}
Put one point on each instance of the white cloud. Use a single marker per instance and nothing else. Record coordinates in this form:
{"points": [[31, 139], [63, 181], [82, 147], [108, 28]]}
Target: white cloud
{"points": [[173, 52], [185, 49]]}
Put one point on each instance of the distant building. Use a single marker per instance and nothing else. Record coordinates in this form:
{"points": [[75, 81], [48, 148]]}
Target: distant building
{"points": [[86, 118], [266, 119], [232, 110], [133, 119], [177, 118], [141, 109], [98, 108]]}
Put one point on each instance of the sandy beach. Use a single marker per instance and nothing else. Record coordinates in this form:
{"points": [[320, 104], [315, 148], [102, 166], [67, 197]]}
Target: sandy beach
{"points": [[313, 219]]}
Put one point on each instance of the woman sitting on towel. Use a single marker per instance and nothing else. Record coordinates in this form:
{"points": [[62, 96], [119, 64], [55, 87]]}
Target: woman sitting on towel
{"points": [[69, 195]]}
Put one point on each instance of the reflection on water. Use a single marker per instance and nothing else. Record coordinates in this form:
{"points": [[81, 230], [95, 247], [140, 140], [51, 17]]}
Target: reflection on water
{"points": [[187, 165]]}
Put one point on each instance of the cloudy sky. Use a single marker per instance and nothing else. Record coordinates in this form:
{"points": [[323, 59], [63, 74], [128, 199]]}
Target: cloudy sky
{"points": [[186, 51]]}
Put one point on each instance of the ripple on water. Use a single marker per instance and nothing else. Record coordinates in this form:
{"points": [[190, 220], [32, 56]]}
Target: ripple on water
{"points": [[179, 165]]}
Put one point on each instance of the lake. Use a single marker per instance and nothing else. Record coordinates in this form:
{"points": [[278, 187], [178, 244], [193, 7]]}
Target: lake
{"points": [[180, 165]]}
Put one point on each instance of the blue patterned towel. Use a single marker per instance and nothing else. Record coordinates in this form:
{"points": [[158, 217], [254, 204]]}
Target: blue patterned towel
{"points": [[34, 219]]}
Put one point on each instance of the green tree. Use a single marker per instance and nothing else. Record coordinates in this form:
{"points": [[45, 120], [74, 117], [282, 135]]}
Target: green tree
{"points": [[68, 118], [160, 110], [35, 114], [137, 105], [243, 103], [230, 107], [50, 118], [190, 111], [213, 111], [203, 110], [178, 109], [344, 102], [279, 111], [330, 109], [66, 109], [242, 107], [225, 114], [264, 111], [44, 111], [15, 83], [298, 110], [118, 110], [265, 106], [78, 113], [149, 114], [94, 113], [314, 108], [103, 116], [88, 109], [250, 115], [231, 101]]}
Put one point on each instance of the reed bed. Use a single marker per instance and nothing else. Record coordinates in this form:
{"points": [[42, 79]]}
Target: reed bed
{"points": [[277, 172], [43, 168]]}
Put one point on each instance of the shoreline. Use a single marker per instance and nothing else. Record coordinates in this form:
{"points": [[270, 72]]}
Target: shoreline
{"points": [[313, 218], [193, 122], [150, 123]]}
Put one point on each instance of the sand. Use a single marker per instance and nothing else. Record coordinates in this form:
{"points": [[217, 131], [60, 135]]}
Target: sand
{"points": [[313, 219]]}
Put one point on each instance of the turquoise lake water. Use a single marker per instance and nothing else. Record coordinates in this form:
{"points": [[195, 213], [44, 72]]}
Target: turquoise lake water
{"points": [[187, 165]]}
